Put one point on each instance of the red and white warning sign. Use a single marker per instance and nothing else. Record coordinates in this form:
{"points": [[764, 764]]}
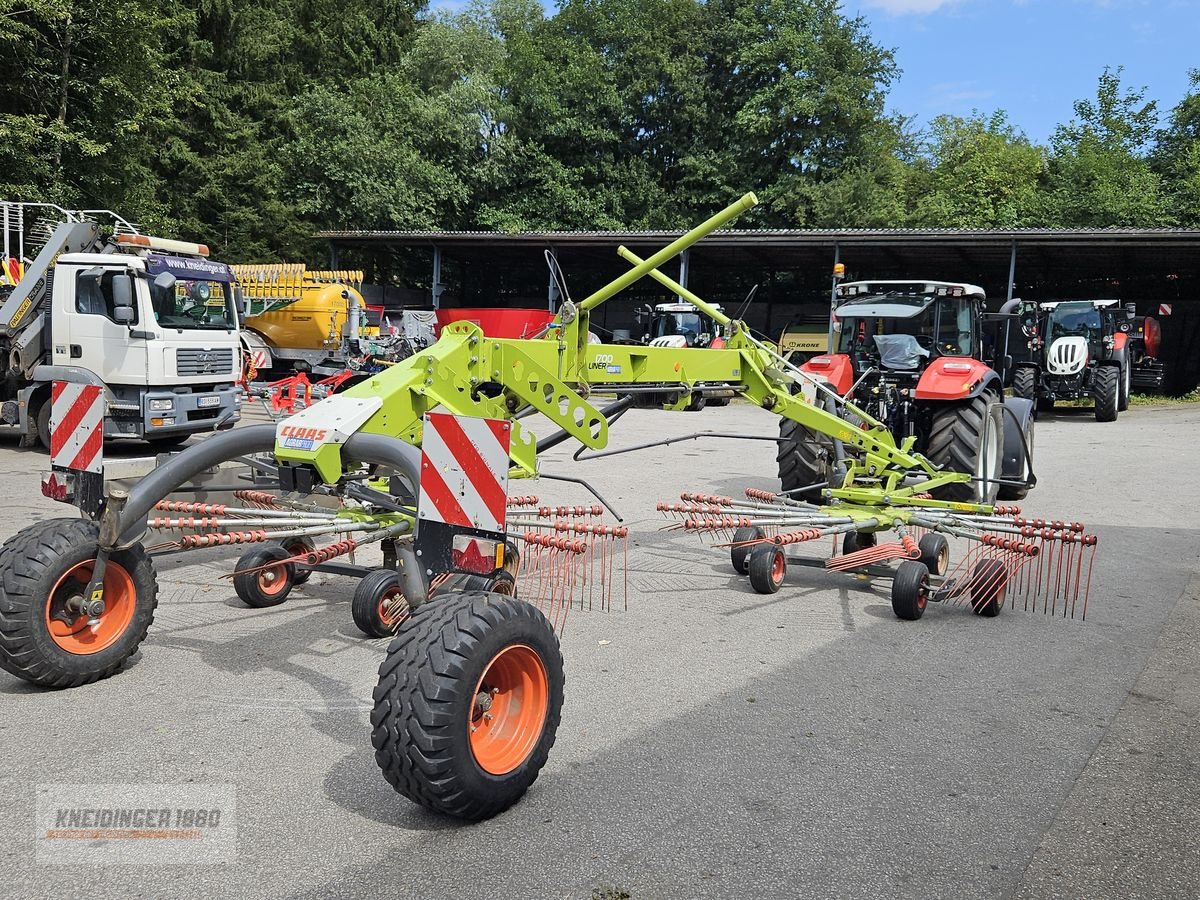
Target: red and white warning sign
{"points": [[464, 471], [77, 426], [1164, 309]]}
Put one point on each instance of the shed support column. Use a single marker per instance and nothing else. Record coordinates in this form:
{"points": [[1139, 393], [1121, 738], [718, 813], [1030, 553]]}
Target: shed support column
{"points": [[333, 256], [1012, 270], [436, 289], [837, 258], [684, 259], [552, 292]]}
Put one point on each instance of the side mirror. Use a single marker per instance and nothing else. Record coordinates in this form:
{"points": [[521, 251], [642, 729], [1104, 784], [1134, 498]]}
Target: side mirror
{"points": [[123, 315], [163, 285], [122, 290]]}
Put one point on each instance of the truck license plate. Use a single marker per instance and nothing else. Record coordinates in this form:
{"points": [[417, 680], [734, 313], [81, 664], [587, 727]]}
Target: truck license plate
{"points": [[209, 401]]}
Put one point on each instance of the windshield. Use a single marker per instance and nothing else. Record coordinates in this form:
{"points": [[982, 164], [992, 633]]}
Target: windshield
{"points": [[195, 305], [943, 328], [1074, 320], [686, 323]]}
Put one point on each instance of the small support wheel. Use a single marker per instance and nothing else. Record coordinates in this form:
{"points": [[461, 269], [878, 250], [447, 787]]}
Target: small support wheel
{"points": [[857, 540], [512, 558], [910, 590], [767, 568], [468, 703], [935, 553], [740, 556], [989, 580], [262, 579], [379, 606], [499, 582], [295, 547]]}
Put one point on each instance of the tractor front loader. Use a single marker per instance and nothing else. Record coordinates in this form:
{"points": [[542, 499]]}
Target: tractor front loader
{"points": [[418, 458]]}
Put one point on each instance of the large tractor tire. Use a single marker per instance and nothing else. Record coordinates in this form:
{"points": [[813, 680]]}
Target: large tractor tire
{"points": [[1024, 383], [1019, 424], [468, 703], [1126, 386], [1106, 389], [43, 571], [804, 457], [968, 437]]}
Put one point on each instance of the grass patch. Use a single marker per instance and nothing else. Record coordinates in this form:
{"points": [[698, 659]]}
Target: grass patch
{"points": [[1158, 400]]}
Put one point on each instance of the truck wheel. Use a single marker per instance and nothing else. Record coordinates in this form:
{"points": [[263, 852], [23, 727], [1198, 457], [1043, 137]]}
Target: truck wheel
{"points": [[43, 572], [43, 425], [967, 437], [988, 582], [935, 553], [1024, 383], [804, 457], [468, 703], [1106, 389], [260, 584], [910, 590], [379, 604], [739, 556], [767, 568], [1123, 399]]}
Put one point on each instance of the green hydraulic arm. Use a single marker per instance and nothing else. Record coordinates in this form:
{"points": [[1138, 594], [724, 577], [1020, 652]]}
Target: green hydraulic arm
{"points": [[468, 373]]}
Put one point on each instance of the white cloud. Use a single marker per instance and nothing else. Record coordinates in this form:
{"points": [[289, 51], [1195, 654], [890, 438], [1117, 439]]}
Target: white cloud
{"points": [[905, 7]]}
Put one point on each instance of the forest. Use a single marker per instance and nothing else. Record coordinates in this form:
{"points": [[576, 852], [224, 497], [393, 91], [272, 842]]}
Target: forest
{"points": [[251, 124]]}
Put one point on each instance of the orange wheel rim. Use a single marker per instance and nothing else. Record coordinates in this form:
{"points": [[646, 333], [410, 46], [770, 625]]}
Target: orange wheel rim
{"points": [[508, 709], [77, 633], [273, 581], [778, 565], [390, 611]]}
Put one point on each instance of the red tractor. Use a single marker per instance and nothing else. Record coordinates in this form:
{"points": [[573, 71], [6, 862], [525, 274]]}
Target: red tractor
{"points": [[915, 355]]}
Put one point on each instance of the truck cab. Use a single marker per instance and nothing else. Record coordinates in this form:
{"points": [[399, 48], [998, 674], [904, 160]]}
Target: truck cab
{"points": [[150, 321]]}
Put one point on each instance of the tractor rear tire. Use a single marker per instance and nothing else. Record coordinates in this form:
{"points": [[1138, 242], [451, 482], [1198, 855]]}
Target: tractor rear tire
{"points": [[377, 607], [468, 704], [1106, 389], [966, 437], [1024, 383], [40, 570], [767, 568], [1123, 399], [740, 556], [804, 458]]}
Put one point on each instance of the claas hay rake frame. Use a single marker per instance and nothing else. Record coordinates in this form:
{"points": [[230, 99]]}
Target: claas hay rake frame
{"points": [[417, 459]]}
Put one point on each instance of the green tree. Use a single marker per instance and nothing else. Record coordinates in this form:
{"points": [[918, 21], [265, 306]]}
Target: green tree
{"points": [[1099, 174], [976, 172], [1176, 155]]}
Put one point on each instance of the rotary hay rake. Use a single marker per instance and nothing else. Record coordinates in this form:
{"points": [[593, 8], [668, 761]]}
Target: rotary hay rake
{"points": [[417, 460]]}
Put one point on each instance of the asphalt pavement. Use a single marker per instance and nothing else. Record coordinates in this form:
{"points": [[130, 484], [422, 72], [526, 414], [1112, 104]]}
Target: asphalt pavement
{"points": [[714, 742]]}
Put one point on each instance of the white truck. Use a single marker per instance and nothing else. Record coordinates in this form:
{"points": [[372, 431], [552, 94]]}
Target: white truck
{"points": [[151, 321]]}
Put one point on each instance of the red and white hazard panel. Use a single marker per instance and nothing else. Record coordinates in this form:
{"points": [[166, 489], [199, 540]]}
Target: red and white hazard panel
{"points": [[77, 426], [1164, 309], [464, 471]]}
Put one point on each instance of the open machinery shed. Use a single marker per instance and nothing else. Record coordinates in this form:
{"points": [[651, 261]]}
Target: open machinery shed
{"points": [[1156, 268]]}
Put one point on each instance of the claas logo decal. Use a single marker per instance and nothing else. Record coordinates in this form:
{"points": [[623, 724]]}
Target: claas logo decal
{"points": [[296, 438]]}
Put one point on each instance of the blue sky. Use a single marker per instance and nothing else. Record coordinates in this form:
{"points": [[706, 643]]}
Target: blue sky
{"points": [[1032, 58]]}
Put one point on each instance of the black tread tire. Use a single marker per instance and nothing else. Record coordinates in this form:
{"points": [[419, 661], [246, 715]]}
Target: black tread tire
{"points": [[989, 579], [424, 697], [368, 594], [765, 571], [246, 584], [910, 590], [1014, 491], [803, 458], [1024, 383], [853, 541], [740, 556], [295, 546], [31, 563], [43, 424], [956, 436], [1126, 388], [1106, 387], [696, 403], [935, 552]]}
